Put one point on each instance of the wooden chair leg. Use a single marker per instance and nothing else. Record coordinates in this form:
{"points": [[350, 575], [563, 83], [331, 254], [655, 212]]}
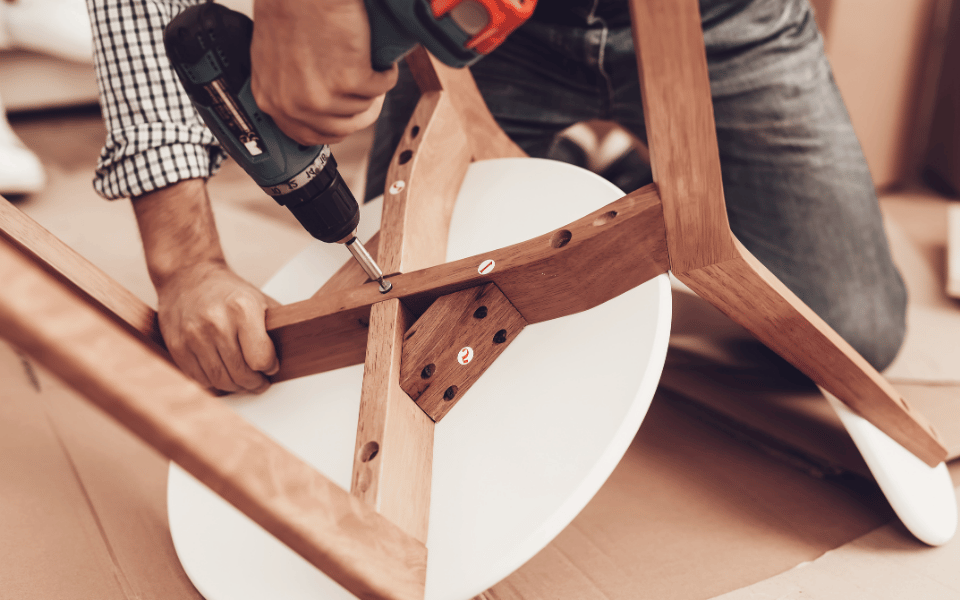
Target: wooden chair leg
{"points": [[703, 251], [394, 451], [359, 548], [752, 296]]}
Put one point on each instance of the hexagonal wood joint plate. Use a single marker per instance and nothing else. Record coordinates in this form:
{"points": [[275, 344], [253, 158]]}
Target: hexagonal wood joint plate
{"points": [[453, 343]]}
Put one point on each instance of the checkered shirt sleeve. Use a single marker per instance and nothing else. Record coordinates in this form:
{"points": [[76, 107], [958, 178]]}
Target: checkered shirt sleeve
{"points": [[154, 136]]}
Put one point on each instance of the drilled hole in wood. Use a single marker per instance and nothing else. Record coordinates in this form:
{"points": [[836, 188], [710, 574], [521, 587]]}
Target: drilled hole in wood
{"points": [[427, 371], [605, 218], [414, 131], [561, 238], [451, 393], [500, 337], [405, 157], [369, 450], [480, 312]]}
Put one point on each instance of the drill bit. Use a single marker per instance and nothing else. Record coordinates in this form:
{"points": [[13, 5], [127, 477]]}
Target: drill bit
{"points": [[369, 266]]}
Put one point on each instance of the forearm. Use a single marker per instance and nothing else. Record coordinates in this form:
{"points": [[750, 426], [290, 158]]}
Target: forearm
{"points": [[178, 230]]}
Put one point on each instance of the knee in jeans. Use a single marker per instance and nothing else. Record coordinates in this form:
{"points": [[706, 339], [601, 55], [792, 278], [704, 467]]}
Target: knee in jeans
{"points": [[875, 326]]}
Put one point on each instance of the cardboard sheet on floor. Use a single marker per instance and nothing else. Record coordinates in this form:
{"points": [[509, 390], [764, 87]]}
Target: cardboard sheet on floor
{"points": [[917, 229], [882, 565], [82, 501]]}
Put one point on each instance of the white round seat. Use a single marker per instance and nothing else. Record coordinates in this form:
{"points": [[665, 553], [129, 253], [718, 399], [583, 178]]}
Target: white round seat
{"points": [[514, 462]]}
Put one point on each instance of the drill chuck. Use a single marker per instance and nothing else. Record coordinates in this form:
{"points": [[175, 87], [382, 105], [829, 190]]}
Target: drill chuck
{"points": [[320, 200]]}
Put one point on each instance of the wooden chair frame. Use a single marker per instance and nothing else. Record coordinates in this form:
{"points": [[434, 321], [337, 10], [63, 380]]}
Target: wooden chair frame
{"points": [[101, 340]]}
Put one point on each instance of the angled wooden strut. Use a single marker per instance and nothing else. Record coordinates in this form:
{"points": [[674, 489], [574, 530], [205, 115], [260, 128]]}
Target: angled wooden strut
{"points": [[706, 256], [102, 341]]}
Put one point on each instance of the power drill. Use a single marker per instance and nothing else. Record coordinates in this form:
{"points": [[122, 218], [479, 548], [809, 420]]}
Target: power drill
{"points": [[209, 47]]}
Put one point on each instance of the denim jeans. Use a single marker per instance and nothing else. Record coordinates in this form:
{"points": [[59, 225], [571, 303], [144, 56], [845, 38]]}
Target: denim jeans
{"points": [[798, 192]]}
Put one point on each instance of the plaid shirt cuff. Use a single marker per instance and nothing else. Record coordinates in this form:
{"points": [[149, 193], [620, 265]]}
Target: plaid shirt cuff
{"points": [[154, 158], [154, 136]]}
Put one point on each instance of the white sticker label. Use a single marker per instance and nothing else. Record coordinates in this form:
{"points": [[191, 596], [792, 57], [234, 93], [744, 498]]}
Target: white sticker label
{"points": [[465, 355], [486, 267], [397, 186]]}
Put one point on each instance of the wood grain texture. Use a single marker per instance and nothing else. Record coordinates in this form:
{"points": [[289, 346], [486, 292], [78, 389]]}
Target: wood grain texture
{"points": [[339, 534], [681, 133], [64, 263], [485, 137], [432, 371], [753, 297], [423, 181], [392, 466], [566, 271]]}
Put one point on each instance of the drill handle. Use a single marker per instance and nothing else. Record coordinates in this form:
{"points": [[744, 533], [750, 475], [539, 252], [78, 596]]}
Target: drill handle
{"points": [[389, 41]]}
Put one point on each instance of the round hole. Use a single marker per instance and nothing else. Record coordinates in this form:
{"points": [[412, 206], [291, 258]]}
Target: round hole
{"points": [[500, 337], [480, 312], [405, 157], [605, 218], [368, 451], [414, 131], [560, 238], [427, 371], [451, 393]]}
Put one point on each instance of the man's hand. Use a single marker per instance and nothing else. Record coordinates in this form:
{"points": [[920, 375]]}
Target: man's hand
{"points": [[212, 321], [213, 324], [312, 70]]}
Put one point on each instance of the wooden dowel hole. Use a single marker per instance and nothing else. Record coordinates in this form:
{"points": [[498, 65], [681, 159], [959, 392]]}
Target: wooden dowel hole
{"points": [[605, 218], [427, 371], [561, 238], [414, 131], [451, 393], [369, 451], [500, 337], [405, 157], [480, 312]]}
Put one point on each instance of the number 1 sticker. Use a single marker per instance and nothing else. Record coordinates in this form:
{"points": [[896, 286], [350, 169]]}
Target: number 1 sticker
{"points": [[486, 266]]}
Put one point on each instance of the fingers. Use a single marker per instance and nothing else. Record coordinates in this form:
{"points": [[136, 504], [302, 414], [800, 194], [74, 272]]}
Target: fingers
{"points": [[188, 363], [320, 120], [257, 350], [225, 346]]}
